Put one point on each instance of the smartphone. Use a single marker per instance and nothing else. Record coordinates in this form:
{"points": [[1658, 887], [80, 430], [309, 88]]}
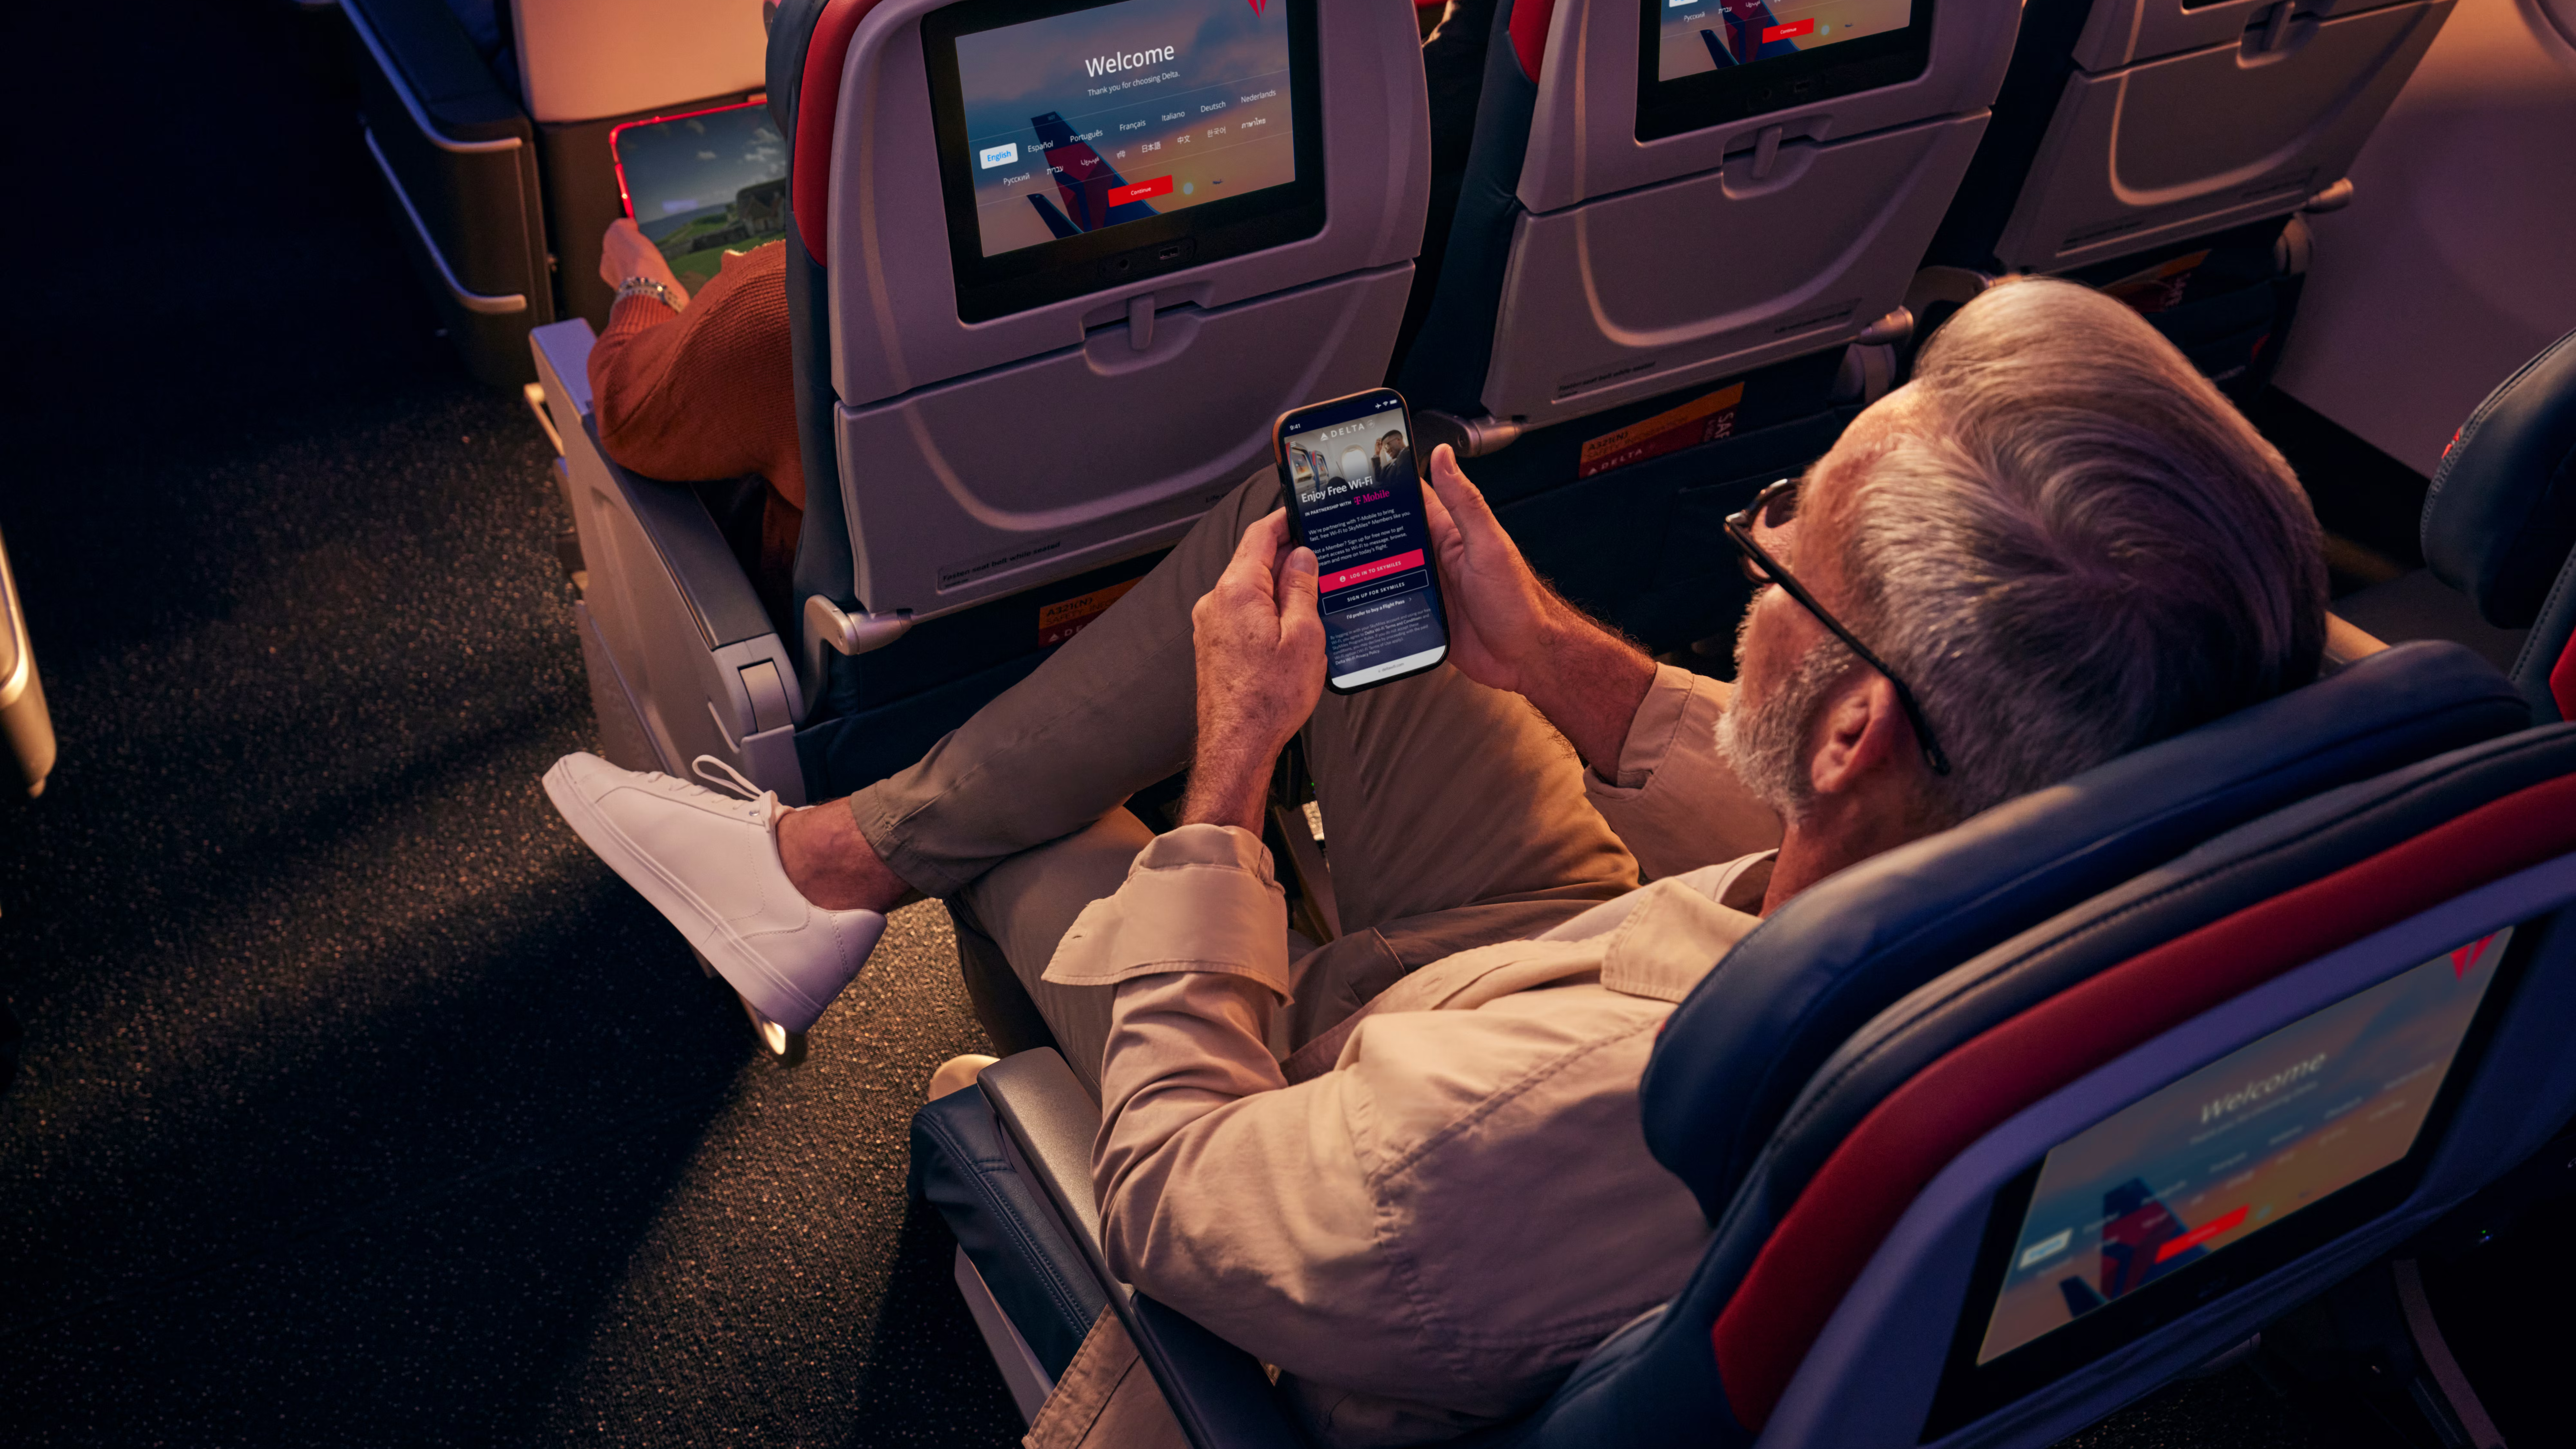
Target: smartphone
{"points": [[1354, 491]]}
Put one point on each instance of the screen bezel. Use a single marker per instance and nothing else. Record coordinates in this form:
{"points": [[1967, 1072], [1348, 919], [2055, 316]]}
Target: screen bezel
{"points": [[1076, 266], [617, 161], [1714, 98], [1969, 1391], [1341, 410]]}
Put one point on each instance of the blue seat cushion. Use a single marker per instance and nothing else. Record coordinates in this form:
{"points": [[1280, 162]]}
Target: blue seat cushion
{"points": [[1755, 1029], [963, 1165], [2500, 518]]}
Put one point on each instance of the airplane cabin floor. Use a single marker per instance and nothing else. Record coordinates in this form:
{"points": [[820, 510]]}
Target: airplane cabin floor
{"points": [[359, 1104]]}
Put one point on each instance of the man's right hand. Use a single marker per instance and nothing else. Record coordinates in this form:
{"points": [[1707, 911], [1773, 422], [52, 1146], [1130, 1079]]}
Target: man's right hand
{"points": [[1500, 613], [626, 252], [1509, 630]]}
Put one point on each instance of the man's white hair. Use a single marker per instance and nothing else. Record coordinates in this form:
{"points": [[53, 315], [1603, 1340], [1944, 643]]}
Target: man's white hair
{"points": [[2070, 545]]}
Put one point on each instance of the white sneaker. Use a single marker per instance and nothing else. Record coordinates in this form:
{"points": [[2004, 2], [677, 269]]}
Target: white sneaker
{"points": [[709, 863]]}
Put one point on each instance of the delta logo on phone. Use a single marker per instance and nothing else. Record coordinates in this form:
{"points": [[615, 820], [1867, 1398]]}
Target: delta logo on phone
{"points": [[1002, 155]]}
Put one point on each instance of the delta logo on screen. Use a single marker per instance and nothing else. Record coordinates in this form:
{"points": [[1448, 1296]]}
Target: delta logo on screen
{"points": [[1122, 113]]}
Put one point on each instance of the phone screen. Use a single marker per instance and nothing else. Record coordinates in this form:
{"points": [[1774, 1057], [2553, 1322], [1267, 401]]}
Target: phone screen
{"points": [[1356, 496]]}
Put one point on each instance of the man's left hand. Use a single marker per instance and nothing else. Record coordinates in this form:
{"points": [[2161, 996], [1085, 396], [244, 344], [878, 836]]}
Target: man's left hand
{"points": [[1260, 649], [626, 252]]}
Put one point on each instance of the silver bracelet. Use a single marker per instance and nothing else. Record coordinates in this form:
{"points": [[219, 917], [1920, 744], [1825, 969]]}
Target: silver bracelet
{"points": [[647, 287]]}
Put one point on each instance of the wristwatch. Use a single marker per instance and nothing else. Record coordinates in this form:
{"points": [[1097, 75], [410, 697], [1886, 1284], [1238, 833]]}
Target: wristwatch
{"points": [[647, 287]]}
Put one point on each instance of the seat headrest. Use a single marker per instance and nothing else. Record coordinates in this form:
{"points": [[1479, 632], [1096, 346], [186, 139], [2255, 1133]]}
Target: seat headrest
{"points": [[791, 37], [1739, 1048], [2501, 517]]}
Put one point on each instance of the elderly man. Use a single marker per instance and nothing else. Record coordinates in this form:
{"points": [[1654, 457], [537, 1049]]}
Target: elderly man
{"points": [[2055, 545]]}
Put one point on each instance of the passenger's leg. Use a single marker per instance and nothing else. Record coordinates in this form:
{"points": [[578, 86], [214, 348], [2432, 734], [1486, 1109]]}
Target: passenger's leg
{"points": [[1009, 920], [1454, 817], [1110, 713]]}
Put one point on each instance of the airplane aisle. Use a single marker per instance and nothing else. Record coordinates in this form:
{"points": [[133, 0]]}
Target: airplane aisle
{"points": [[359, 1102]]}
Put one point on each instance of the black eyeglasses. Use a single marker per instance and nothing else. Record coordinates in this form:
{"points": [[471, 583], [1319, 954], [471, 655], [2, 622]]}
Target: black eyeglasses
{"points": [[1777, 507]]}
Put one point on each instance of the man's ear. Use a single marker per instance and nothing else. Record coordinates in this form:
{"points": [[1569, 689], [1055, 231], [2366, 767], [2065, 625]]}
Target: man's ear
{"points": [[1860, 733]]}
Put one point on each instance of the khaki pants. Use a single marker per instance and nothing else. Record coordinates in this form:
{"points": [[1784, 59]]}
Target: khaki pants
{"points": [[1455, 815]]}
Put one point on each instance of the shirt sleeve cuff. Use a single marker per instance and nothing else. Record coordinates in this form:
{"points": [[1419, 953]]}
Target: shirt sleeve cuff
{"points": [[1672, 703], [636, 313], [1200, 898]]}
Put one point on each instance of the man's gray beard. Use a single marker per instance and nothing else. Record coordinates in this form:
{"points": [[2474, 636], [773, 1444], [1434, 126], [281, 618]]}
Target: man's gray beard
{"points": [[1765, 741]]}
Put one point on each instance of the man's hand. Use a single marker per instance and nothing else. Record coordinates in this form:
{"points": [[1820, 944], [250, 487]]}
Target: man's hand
{"points": [[626, 252], [1509, 630], [1500, 614], [1260, 648]]}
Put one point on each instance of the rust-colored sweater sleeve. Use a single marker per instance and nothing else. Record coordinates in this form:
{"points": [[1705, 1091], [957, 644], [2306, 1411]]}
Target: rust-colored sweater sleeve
{"points": [[709, 392]]}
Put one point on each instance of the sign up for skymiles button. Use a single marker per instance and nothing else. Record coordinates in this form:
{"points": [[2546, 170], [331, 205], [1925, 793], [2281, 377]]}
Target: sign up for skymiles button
{"points": [[1121, 195], [1362, 573]]}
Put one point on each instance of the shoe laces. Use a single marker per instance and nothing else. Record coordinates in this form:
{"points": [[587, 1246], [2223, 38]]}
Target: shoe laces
{"points": [[724, 777]]}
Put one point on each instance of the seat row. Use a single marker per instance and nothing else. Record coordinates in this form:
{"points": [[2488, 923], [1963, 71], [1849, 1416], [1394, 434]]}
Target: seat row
{"points": [[1661, 286]]}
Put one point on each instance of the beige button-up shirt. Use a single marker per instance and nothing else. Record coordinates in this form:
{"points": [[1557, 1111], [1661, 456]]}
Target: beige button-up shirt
{"points": [[1426, 1234]]}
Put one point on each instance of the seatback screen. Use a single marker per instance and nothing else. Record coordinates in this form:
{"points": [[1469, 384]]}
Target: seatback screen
{"points": [[1706, 35], [2231, 1151], [1704, 63], [1086, 145], [1116, 115]]}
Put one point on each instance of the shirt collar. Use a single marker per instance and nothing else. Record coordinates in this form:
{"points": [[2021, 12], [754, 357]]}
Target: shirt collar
{"points": [[1679, 929]]}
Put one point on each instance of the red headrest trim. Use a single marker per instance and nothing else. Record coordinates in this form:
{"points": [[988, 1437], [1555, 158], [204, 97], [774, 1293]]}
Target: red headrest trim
{"points": [[1842, 1215], [1529, 32], [2562, 680], [818, 106]]}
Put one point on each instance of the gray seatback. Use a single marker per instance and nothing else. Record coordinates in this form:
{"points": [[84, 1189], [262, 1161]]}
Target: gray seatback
{"points": [[2180, 119], [1644, 266], [979, 459]]}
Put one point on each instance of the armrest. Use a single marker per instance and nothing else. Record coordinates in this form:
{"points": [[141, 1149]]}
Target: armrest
{"points": [[684, 536], [26, 728], [1221, 1395], [1053, 1121], [563, 368]]}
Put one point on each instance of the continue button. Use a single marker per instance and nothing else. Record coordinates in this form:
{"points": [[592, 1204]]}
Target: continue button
{"points": [[1789, 31], [1362, 573], [1121, 195]]}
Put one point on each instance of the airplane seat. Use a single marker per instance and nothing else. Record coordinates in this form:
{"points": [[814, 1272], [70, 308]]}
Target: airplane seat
{"points": [[2499, 535], [1732, 1101], [2126, 124], [489, 123], [1646, 305], [457, 155], [2161, 149], [996, 443], [25, 723], [1139, 381], [2378, 976]]}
